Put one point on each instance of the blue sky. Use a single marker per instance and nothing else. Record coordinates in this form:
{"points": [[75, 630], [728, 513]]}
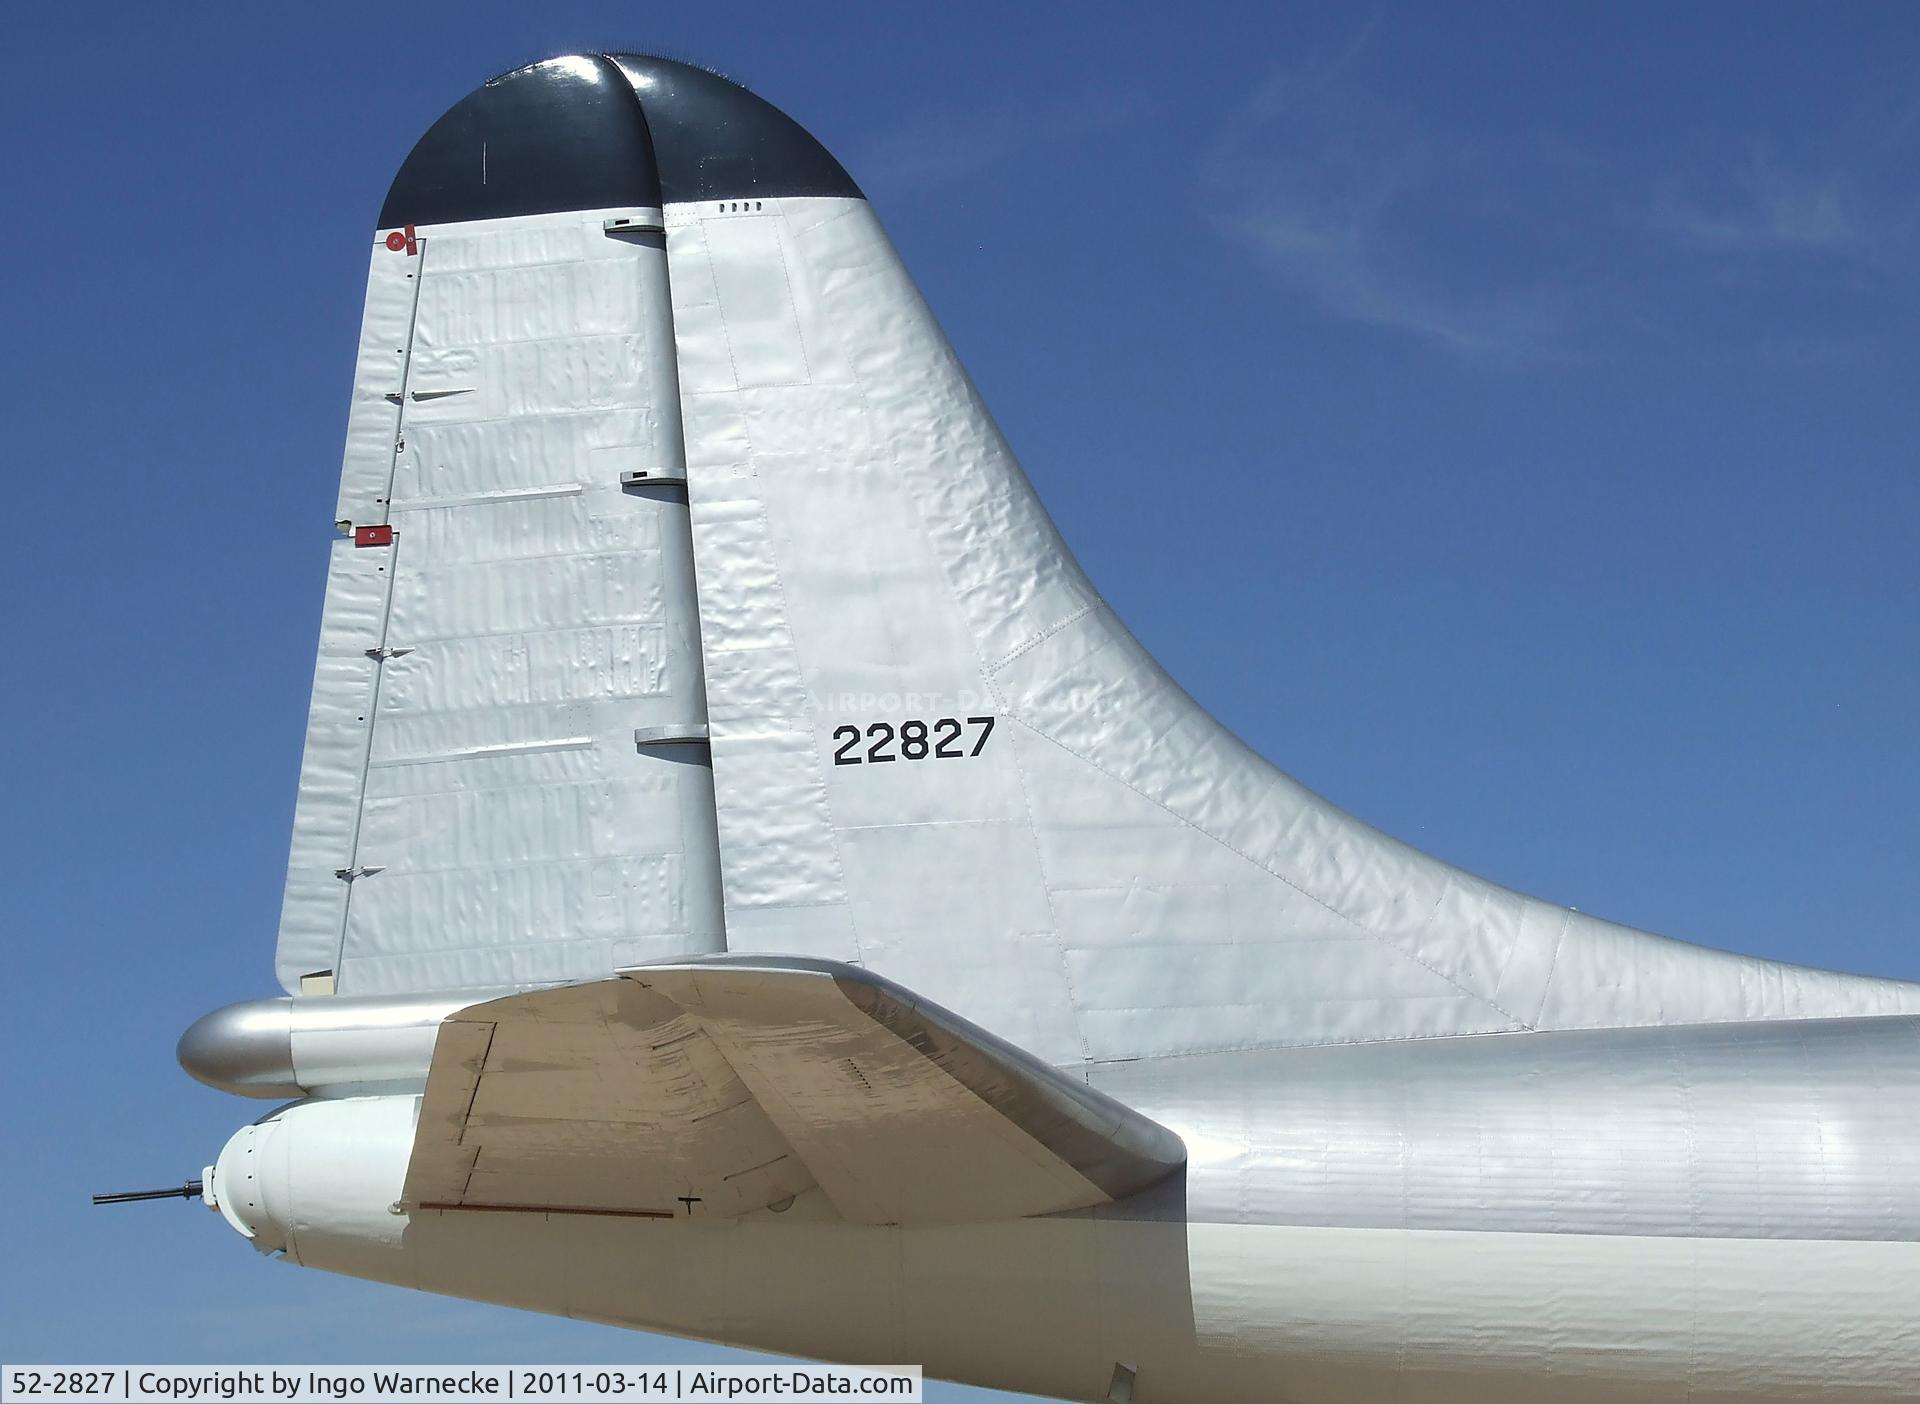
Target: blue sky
{"points": [[1503, 416]]}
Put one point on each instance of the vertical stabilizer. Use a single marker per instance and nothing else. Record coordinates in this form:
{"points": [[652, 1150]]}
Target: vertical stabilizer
{"points": [[935, 750]]}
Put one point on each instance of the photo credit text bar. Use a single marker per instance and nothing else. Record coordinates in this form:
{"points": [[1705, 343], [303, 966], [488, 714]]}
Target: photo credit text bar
{"points": [[515, 1384]]}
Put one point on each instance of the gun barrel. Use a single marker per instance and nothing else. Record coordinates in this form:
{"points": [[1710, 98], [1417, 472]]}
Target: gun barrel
{"points": [[190, 1190]]}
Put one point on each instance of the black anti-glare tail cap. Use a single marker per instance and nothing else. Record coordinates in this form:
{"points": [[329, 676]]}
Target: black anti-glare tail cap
{"points": [[717, 141], [598, 131]]}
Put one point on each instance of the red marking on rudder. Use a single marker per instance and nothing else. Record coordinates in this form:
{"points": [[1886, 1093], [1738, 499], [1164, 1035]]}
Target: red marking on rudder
{"points": [[404, 239], [381, 535]]}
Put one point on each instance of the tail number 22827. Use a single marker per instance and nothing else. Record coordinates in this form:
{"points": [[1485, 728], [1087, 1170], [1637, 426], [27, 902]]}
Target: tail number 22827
{"points": [[914, 740]]}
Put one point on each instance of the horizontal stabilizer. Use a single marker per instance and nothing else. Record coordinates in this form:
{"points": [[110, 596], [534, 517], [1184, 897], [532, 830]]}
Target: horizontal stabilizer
{"points": [[728, 1084]]}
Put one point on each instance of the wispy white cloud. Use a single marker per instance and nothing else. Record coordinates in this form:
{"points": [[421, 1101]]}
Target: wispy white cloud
{"points": [[1521, 248], [1761, 204], [1341, 270], [1336, 193], [954, 147], [1839, 189]]}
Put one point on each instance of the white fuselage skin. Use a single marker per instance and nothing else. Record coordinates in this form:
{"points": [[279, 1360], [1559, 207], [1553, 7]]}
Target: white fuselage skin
{"points": [[1194, 1285]]}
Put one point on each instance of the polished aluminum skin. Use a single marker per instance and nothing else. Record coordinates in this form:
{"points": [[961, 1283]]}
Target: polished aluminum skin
{"points": [[1766, 1130], [290, 1047]]}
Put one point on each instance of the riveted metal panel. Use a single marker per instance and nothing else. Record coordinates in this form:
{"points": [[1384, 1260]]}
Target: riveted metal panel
{"points": [[1779, 1129]]}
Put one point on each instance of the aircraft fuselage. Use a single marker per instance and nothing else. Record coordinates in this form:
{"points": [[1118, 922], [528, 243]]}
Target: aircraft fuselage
{"points": [[1661, 1213]]}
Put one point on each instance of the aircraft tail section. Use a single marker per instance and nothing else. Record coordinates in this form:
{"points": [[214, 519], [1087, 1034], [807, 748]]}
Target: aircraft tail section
{"points": [[654, 438]]}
